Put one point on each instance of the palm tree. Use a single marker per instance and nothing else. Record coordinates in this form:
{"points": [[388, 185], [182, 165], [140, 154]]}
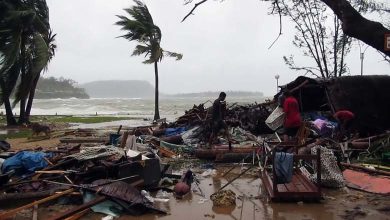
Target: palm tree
{"points": [[141, 28], [24, 51]]}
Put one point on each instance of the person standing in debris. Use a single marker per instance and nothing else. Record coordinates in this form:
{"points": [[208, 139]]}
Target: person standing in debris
{"points": [[292, 120], [344, 117], [218, 116]]}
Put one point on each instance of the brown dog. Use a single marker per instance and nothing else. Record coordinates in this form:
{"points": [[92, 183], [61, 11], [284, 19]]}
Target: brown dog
{"points": [[38, 128]]}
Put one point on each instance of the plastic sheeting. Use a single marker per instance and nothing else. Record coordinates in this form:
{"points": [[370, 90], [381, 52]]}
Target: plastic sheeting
{"points": [[25, 162], [174, 131]]}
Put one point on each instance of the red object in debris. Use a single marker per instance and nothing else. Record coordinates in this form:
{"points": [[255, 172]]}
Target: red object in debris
{"points": [[344, 115], [367, 182]]}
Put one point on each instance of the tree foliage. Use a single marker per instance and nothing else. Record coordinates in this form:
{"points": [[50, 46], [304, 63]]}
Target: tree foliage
{"points": [[52, 87], [139, 26], [26, 47]]}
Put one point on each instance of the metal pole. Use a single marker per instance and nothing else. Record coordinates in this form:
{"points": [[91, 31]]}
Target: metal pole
{"points": [[361, 63]]}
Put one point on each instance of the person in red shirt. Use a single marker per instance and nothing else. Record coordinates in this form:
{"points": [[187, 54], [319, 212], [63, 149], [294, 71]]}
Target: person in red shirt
{"points": [[344, 117], [292, 119]]}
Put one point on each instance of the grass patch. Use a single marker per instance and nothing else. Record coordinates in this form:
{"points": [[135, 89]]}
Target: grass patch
{"points": [[25, 133], [77, 119]]}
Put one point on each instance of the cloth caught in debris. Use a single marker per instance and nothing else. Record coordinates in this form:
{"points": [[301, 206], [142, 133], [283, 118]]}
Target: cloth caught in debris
{"points": [[325, 128], [223, 198], [331, 175], [283, 167], [26, 162], [174, 131], [88, 153]]}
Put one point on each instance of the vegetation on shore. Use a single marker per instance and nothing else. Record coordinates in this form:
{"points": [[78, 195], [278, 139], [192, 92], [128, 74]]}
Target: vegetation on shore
{"points": [[51, 88]]}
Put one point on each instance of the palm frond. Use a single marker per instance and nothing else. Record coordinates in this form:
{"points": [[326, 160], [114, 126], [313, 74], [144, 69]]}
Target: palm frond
{"points": [[141, 49], [178, 56]]}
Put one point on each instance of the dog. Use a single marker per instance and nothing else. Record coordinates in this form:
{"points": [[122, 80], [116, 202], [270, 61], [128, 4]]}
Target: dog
{"points": [[38, 128]]}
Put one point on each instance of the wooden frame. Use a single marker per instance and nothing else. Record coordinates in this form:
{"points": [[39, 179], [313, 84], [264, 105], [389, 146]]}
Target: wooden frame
{"points": [[300, 188]]}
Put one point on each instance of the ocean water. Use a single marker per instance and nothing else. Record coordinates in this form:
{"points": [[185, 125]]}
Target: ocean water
{"points": [[135, 107]]}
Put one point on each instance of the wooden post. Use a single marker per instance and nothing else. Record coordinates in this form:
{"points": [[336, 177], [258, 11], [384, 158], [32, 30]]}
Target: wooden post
{"points": [[124, 139], [274, 184]]}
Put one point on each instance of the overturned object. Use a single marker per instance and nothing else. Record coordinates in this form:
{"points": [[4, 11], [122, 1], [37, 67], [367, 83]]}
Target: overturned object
{"points": [[223, 198]]}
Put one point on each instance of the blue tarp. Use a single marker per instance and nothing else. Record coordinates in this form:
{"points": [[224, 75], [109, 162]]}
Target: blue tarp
{"points": [[174, 131], [283, 167], [26, 162]]}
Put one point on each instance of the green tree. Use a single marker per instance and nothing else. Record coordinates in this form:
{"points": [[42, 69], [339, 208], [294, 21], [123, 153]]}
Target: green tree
{"points": [[24, 52], [141, 28]]}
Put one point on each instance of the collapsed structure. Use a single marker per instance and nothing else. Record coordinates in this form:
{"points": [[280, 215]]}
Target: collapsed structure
{"points": [[140, 157], [367, 96]]}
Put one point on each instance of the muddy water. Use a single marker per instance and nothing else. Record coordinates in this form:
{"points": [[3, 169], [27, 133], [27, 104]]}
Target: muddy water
{"points": [[254, 205]]}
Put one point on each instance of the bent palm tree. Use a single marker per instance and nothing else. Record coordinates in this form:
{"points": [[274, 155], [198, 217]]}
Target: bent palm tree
{"points": [[24, 51], [141, 28]]}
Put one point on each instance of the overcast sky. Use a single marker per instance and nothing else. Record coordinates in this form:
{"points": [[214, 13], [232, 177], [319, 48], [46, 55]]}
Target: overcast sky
{"points": [[225, 46]]}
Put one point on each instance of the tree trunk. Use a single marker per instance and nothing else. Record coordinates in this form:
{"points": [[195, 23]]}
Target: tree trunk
{"points": [[156, 110], [355, 25], [8, 111], [31, 98], [7, 105], [22, 81]]}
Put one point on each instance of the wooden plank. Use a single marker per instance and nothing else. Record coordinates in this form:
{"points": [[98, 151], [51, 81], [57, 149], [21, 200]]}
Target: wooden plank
{"points": [[300, 187], [282, 188], [78, 215], [267, 183], [307, 183], [35, 213], [12, 212], [291, 187]]}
